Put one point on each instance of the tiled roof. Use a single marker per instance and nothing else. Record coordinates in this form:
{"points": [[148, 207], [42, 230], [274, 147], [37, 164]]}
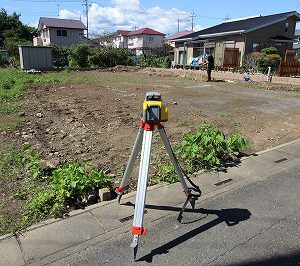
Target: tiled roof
{"points": [[61, 23], [123, 32], [242, 25], [179, 34], [146, 31]]}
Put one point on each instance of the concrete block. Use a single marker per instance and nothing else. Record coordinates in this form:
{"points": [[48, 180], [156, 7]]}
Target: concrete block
{"points": [[104, 194]]}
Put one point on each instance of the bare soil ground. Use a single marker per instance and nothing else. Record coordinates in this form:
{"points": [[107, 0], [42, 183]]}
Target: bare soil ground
{"points": [[98, 120]]}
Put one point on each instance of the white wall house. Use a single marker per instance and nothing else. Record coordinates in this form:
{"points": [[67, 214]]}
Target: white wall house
{"points": [[65, 32], [141, 41]]}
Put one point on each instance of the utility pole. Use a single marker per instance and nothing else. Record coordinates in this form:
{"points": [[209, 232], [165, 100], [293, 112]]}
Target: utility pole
{"points": [[86, 4], [58, 10], [178, 20], [192, 16]]}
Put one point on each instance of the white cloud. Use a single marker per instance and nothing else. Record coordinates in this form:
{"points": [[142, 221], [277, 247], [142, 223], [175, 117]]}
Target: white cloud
{"points": [[33, 24], [128, 14], [64, 13]]}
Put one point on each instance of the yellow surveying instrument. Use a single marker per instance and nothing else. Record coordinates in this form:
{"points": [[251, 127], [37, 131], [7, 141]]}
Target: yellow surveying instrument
{"points": [[154, 112]]}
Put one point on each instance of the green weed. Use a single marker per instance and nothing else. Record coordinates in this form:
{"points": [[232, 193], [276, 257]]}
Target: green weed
{"points": [[166, 174], [209, 147]]}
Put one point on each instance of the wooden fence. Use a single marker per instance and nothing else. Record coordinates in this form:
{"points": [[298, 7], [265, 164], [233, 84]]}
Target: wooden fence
{"points": [[289, 68]]}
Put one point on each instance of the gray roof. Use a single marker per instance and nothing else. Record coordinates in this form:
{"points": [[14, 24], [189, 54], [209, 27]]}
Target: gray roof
{"points": [[244, 25], [61, 23]]}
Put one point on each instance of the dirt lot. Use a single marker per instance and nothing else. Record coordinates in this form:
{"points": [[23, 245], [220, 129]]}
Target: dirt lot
{"points": [[98, 119]]}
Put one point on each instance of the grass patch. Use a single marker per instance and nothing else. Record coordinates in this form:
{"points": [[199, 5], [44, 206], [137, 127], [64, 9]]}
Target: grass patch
{"points": [[9, 108], [37, 194], [18, 123]]}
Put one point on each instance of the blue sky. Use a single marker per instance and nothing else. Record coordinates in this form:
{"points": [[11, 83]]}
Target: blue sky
{"points": [[109, 15]]}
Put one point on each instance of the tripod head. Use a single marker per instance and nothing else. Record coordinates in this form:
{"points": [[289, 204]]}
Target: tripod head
{"points": [[153, 108]]}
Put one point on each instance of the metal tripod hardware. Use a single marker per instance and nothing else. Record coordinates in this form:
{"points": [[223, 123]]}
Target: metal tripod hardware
{"points": [[154, 113]]}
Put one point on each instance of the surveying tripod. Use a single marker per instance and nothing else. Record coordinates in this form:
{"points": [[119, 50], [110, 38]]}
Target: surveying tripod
{"points": [[153, 113]]}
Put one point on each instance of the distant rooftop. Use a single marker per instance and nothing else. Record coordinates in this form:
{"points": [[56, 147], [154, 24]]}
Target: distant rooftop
{"points": [[179, 34], [61, 23], [241, 25], [145, 31]]}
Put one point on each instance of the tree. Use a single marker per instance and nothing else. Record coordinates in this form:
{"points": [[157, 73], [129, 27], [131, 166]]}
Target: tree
{"points": [[13, 32]]}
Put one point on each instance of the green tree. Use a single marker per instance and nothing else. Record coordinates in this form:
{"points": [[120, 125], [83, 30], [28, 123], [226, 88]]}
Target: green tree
{"points": [[79, 54], [13, 32]]}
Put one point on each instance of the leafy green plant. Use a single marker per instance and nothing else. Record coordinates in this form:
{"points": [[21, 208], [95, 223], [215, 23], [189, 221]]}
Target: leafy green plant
{"points": [[165, 174], [237, 143], [205, 148], [209, 147], [73, 179]]}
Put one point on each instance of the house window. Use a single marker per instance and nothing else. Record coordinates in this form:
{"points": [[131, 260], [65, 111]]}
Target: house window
{"points": [[286, 27], [255, 47], [61, 33], [151, 39]]}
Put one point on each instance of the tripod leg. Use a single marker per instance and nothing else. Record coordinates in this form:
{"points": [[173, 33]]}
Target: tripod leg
{"points": [[135, 150], [137, 228], [178, 171], [174, 161]]}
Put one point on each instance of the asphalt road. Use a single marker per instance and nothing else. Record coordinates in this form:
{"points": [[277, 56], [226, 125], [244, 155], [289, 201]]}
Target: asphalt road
{"points": [[258, 224]]}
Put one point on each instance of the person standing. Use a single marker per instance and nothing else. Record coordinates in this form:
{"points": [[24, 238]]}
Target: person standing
{"points": [[210, 65]]}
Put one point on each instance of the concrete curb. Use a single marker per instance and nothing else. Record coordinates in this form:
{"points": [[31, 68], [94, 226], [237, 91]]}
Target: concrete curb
{"points": [[75, 213]]}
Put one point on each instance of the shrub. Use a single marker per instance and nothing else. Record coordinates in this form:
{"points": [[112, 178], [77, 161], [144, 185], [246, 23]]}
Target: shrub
{"points": [[60, 55], [269, 60], [250, 61], [2, 60], [153, 61], [270, 50], [79, 54], [109, 57]]}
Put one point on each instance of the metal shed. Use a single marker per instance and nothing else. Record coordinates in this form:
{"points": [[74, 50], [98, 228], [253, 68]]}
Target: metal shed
{"points": [[35, 57]]}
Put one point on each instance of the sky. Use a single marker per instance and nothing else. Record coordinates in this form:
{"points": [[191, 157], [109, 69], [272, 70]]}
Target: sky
{"points": [[161, 15]]}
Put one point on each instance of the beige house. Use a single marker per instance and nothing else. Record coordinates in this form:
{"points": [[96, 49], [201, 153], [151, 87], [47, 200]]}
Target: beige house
{"points": [[65, 32], [231, 41], [141, 41]]}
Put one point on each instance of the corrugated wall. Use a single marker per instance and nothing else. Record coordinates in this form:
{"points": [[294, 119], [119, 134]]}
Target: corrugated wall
{"points": [[35, 57]]}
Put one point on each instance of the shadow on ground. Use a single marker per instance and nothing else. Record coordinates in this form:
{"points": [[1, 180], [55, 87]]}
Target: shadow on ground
{"points": [[230, 216]]}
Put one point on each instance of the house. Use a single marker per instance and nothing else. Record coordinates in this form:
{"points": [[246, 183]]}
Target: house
{"points": [[120, 40], [296, 44], [232, 40], [169, 41], [64, 32], [178, 35], [142, 41]]}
